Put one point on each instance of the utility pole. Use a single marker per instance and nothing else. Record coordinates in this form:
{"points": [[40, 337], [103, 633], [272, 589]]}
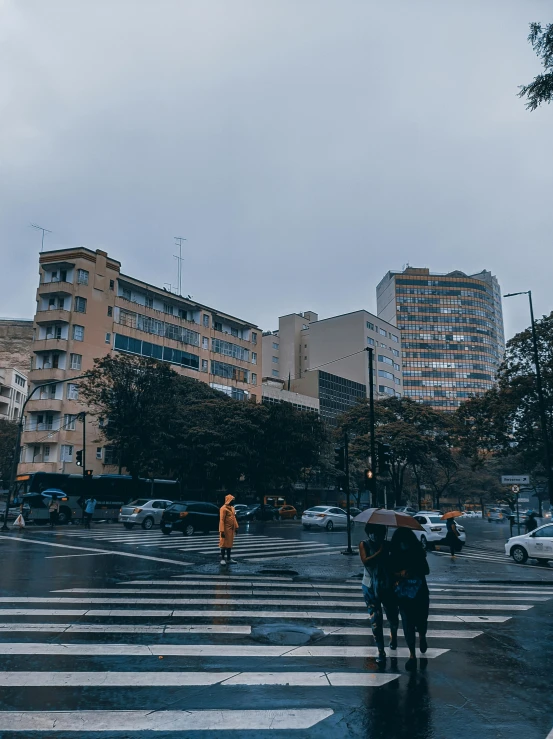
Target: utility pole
{"points": [[179, 258], [82, 417], [371, 424], [541, 400], [349, 550]]}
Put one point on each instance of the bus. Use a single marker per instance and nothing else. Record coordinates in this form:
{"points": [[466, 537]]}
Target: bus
{"points": [[110, 491]]}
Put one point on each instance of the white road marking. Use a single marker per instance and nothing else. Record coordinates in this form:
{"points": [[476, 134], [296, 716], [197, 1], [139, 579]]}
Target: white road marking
{"points": [[127, 629], [220, 613], [245, 600], [200, 650], [228, 577], [431, 633], [101, 551], [316, 553], [245, 581], [170, 679], [92, 554], [185, 721]]}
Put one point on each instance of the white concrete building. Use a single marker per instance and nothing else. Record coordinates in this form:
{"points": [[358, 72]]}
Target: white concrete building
{"points": [[13, 392]]}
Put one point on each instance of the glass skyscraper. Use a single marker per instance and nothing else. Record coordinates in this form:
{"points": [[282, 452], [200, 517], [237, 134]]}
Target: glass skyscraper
{"points": [[451, 331]]}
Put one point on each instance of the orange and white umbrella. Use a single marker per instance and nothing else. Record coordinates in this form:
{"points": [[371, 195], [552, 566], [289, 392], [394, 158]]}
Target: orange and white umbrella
{"points": [[451, 514], [388, 518]]}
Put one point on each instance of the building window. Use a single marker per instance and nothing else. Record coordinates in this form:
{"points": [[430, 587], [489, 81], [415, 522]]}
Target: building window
{"points": [[275, 345], [98, 452], [275, 360], [254, 378], [149, 349], [149, 302], [110, 311], [395, 352], [204, 365], [221, 369], [78, 333], [275, 373], [385, 360], [109, 455], [72, 391], [254, 337], [20, 381], [69, 421], [206, 320], [387, 375], [76, 361], [383, 346], [168, 308], [111, 284], [386, 390], [66, 452], [125, 293], [230, 350], [108, 338], [394, 337], [370, 325], [370, 341], [205, 342], [82, 277], [217, 326], [80, 304], [46, 452], [254, 357], [234, 332], [382, 332]]}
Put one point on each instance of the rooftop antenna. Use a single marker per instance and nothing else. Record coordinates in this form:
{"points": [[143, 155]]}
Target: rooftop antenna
{"points": [[179, 258], [44, 230]]}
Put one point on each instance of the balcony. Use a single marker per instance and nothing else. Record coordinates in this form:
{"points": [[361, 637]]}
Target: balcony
{"points": [[47, 404], [47, 374], [35, 436], [27, 468], [60, 288], [52, 315], [50, 345]]}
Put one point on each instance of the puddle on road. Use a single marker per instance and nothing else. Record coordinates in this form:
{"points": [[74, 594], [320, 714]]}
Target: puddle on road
{"points": [[285, 634]]}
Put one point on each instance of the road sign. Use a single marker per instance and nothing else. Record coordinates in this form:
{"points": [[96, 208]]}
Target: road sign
{"points": [[515, 479], [515, 489]]}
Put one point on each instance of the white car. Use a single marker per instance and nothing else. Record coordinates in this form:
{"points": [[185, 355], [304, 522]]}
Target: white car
{"points": [[435, 528], [538, 544], [144, 512], [324, 517]]}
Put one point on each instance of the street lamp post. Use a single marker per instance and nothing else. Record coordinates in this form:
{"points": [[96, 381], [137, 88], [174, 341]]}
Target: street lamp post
{"points": [[539, 387], [15, 460], [371, 424]]}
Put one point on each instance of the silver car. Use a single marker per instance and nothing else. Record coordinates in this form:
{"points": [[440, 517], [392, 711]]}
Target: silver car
{"points": [[144, 512]]}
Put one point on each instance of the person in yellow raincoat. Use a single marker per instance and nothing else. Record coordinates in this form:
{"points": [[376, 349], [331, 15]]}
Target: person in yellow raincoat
{"points": [[227, 527]]}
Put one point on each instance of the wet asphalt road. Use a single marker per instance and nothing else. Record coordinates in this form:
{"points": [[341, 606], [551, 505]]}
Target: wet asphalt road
{"points": [[113, 621]]}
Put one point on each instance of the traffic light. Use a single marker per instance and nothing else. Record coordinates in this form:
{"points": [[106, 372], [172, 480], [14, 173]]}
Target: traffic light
{"points": [[384, 456], [79, 458], [367, 477], [339, 458]]}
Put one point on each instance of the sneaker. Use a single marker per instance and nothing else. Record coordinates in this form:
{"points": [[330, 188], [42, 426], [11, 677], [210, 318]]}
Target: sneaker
{"points": [[232, 562], [423, 645], [223, 561], [381, 659], [393, 640]]}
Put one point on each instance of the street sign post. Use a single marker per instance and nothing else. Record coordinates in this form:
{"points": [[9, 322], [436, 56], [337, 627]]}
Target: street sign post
{"points": [[515, 479]]}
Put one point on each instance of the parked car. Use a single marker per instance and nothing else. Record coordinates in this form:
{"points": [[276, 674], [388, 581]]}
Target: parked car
{"points": [[495, 514], [145, 512], [257, 513], [327, 517], [353, 511], [469, 514], [435, 529], [405, 509], [189, 516], [538, 544], [288, 511]]}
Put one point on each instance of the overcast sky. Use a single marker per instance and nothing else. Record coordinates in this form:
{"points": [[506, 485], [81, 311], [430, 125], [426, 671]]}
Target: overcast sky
{"points": [[303, 147]]}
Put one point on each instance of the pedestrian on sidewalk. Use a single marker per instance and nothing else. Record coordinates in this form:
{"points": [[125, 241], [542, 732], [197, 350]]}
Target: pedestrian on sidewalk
{"points": [[452, 537], [54, 511], [531, 522], [228, 525], [377, 586], [89, 508], [409, 567]]}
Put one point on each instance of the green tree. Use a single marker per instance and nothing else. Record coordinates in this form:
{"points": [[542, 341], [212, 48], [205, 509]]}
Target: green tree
{"points": [[540, 90], [8, 436]]}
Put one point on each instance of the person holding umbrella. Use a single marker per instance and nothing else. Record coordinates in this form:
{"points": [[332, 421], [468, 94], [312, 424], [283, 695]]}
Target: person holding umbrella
{"points": [[452, 537], [376, 586], [409, 567], [54, 511]]}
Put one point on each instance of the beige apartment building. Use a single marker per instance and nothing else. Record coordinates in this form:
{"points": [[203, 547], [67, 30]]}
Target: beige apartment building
{"points": [[13, 392], [327, 359], [86, 308]]}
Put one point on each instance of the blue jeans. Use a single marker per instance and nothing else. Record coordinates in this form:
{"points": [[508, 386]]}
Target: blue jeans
{"points": [[376, 603]]}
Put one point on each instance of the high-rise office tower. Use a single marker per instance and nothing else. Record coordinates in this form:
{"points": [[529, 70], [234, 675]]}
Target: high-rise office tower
{"points": [[451, 331]]}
